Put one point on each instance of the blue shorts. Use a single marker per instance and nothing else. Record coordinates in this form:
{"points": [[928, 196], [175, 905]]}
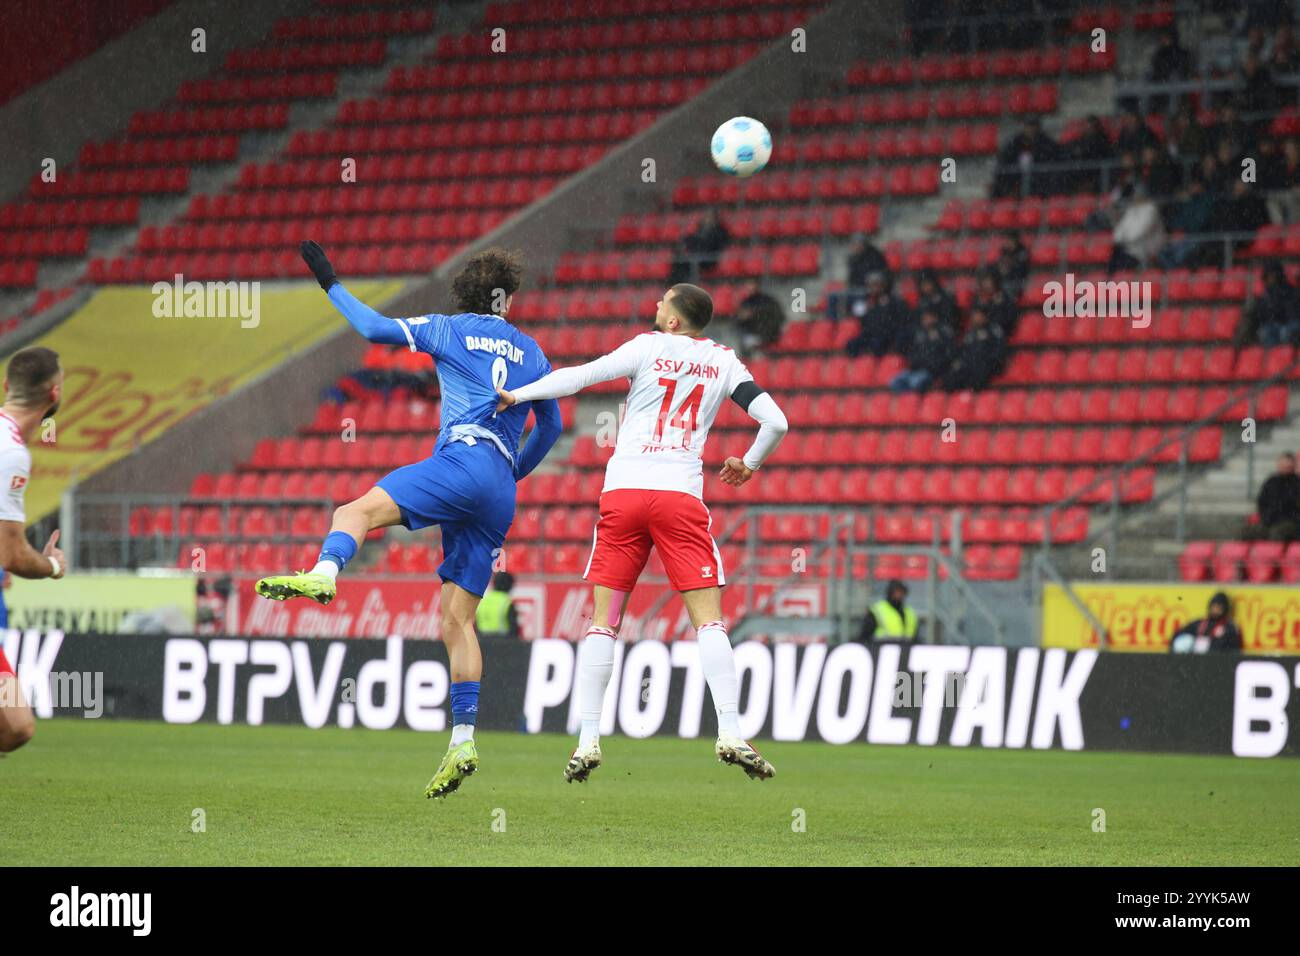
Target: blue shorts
{"points": [[469, 491]]}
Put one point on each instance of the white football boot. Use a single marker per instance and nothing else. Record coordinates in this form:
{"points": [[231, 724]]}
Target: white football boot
{"points": [[582, 763], [733, 750]]}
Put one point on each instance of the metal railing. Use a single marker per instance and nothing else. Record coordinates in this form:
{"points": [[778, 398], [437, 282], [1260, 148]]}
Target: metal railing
{"points": [[97, 528], [1183, 439], [832, 558]]}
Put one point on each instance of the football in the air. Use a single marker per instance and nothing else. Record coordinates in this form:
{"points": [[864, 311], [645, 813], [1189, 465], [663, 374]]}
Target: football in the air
{"points": [[741, 146]]}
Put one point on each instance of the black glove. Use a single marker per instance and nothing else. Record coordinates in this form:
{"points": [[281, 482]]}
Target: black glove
{"points": [[318, 263]]}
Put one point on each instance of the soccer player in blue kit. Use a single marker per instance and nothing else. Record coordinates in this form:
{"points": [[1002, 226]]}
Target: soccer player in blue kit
{"points": [[467, 485]]}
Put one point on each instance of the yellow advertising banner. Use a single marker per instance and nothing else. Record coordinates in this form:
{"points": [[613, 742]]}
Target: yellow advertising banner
{"points": [[139, 360], [1143, 617], [97, 603]]}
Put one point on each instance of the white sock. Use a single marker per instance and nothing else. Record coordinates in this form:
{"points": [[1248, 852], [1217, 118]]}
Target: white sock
{"points": [[461, 733], [719, 666], [327, 568], [595, 665]]}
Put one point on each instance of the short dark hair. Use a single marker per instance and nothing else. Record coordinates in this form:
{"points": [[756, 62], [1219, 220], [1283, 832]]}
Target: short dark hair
{"points": [[693, 304], [503, 581], [487, 278], [29, 371]]}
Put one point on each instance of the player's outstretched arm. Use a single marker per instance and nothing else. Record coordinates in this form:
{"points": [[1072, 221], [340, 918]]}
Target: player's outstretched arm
{"points": [[372, 325], [20, 558], [772, 427], [545, 434], [620, 363]]}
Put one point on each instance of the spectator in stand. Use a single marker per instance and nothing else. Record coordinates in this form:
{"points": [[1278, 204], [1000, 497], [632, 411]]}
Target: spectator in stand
{"points": [[1187, 138], [1259, 94], [1241, 211], [1193, 215], [1169, 63], [1017, 159], [1282, 56], [864, 259], [980, 356], [1160, 177], [1278, 504], [1281, 177], [1134, 134], [929, 355], [884, 322], [759, 322], [1092, 146], [700, 249], [934, 298], [1214, 632], [1013, 265], [1274, 319], [1234, 129], [993, 300], [1139, 234]]}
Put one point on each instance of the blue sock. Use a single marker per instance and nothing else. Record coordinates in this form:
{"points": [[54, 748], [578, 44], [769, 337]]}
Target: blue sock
{"points": [[464, 702], [339, 547]]}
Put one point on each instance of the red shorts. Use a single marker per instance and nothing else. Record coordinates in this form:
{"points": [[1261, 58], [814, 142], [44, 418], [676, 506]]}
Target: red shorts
{"points": [[632, 519], [5, 667]]}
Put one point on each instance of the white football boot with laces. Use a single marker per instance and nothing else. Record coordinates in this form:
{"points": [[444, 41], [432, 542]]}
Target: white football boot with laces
{"points": [[734, 750]]}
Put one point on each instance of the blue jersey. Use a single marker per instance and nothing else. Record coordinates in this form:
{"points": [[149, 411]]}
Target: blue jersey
{"points": [[476, 355]]}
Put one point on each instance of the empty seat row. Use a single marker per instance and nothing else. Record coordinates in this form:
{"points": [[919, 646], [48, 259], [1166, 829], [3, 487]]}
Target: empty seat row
{"points": [[244, 89], [44, 244], [307, 56], [1194, 364], [1260, 562], [115, 182], [959, 68], [803, 186], [81, 212], [353, 201], [214, 119], [575, 67], [403, 259], [362, 24], [816, 220], [966, 139], [160, 152], [959, 104], [332, 231]]}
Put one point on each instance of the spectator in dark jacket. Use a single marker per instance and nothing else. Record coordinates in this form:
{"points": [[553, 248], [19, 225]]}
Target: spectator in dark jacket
{"points": [[1134, 134], [884, 324], [1281, 177], [929, 355], [1158, 174], [864, 259], [1194, 214], [980, 356], [759, 321], [1013, 265], [1017, 159], [1170, 61], [1241, 210], [1093, 146], [995, 303], [1274, 319], [1214, 632], [1259, 94], [1278, 504], [933, 297], [699, 250]]}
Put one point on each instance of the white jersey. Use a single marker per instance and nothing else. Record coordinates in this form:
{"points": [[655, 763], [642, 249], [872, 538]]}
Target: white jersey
{"points": [[15, 471], [678, 385]]}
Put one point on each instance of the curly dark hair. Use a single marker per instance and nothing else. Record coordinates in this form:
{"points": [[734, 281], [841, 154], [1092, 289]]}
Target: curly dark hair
{"points": [[476, 288]]}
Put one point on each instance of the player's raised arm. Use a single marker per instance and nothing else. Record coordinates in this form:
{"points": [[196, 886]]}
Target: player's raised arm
{"points": [[372, 325], [772, 427], [620, 363]]}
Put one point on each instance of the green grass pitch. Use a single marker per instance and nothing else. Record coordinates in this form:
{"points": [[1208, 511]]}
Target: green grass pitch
{"points": [[123, 793]]}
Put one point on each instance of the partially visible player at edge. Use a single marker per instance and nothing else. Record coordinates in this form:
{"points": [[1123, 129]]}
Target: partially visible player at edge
{"points": [[33, 387], [653, 495], [466, 486]]}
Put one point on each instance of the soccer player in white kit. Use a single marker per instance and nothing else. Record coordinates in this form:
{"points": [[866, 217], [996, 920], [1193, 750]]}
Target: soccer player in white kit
{"points": [[652, 496], [33, 387]]}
